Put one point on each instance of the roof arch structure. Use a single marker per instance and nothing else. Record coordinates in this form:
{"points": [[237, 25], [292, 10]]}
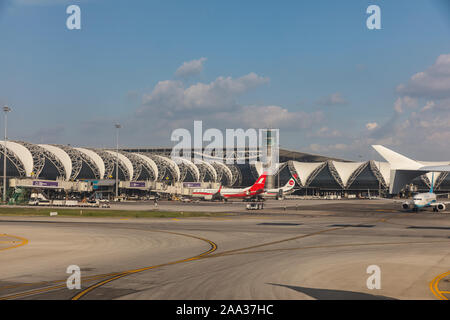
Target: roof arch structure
{"points": [[236, 174], [306, 171], [126, 163], [205, 168], [223, 171], [164, 162], [96, 159], [51, 161], [110, 162], [39, 155], [186, 165], [150, 164], [136, 163], [20, 156], [348, 170], [62, 156], [76, 158]]}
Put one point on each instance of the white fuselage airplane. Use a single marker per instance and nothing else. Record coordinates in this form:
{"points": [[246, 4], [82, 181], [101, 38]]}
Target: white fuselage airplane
{"points": [[425, 200], [250, 192], [280, 192]]}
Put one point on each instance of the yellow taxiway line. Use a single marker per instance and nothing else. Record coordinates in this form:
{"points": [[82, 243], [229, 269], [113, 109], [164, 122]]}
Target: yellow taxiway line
{"points": [[126, 273], [23, 241], [434, 286]]}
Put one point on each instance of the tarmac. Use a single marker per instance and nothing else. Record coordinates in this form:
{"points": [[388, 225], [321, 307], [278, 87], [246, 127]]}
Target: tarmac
{"points": [[293, 249]]}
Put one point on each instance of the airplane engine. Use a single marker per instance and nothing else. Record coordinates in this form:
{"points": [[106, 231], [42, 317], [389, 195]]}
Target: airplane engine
{"points": [[406, 206], [440, 207]]}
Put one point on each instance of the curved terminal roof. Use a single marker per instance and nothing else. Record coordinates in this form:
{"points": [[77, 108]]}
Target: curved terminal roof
{"points": [[62, 156], [190, 164], [96, 159], [125, 161], [346, 169], [150, 162], [172, 164], [211, 169], [22, 153], [226, 170], [305, 169]]}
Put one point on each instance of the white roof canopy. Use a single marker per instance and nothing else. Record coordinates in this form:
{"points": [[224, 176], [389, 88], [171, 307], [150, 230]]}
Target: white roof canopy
{"points": [[304, 169], [96, 159], [346, 169], [125, 161], [172, 164], [22, 153], [150, 162], [62, 156], [190, 164]]}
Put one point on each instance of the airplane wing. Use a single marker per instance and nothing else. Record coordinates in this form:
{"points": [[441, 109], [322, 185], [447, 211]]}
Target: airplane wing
{"points": [[439, 202], [442, 194]]}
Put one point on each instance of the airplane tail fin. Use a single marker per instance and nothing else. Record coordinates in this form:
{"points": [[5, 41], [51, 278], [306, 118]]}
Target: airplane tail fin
{"points": [[290, 184], [396, 160], [260, 183]]}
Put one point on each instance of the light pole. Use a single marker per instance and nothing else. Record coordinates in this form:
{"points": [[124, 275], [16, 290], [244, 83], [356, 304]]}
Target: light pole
{"points": [[6, 109], [118, 126]]}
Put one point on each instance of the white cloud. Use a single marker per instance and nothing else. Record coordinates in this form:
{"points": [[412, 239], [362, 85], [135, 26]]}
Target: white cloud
{"points": [[190, 68], [332, 100], [170, 97], [429, 106], [419, 127], [270, 116], [174, 104], [433, 83], [371, 126], [325, 132], [423, 135], [405, 102]]}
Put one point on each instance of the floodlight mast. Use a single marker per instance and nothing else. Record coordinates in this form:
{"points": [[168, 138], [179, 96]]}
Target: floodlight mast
{"points": [[118, 126], [6, 109]]}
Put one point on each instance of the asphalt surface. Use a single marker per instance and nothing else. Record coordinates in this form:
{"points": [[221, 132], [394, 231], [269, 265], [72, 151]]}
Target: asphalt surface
{"points": [[292, 249]]}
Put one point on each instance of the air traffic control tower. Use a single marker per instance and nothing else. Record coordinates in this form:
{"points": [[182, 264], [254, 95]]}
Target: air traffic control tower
{"points": [[270, 154]]}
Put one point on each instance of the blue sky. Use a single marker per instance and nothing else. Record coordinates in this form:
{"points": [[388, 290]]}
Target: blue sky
{"points": [[310, 68]]}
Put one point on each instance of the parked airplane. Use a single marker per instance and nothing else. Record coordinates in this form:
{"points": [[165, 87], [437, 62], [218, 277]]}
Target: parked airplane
{"points": [[280, 192], [254, 191], [425, 200]]}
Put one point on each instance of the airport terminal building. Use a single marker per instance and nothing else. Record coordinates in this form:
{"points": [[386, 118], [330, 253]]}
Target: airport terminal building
{"points": [[55, 166]]}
